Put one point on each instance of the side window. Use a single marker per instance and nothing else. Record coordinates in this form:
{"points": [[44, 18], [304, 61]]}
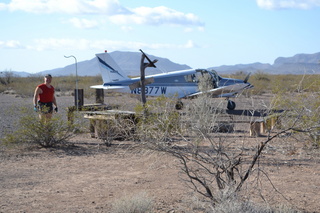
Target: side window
{"points": [[190, 78]]}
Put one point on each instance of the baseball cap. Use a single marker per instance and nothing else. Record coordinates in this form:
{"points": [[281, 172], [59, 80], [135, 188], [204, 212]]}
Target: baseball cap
{"points": [[48, 75]]}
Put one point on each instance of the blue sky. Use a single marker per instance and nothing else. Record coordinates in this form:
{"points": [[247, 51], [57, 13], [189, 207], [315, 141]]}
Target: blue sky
{"points": [[36, 34]]}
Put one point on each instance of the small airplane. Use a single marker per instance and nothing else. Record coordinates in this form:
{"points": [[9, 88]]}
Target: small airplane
{"points": [[178, 84]]}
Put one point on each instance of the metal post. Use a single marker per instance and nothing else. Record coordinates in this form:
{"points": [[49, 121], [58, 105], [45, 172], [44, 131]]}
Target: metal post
{"points": [[77, 93]]}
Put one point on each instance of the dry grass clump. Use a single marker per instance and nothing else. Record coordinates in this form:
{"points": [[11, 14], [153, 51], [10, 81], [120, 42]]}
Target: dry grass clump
{"points": [[232, 203], [138, 203]]}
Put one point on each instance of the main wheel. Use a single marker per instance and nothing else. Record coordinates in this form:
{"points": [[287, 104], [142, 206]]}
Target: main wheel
{"points": [[231, 105], [179, 105]]}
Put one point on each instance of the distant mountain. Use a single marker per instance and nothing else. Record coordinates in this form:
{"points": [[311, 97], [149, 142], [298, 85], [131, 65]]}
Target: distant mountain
{"points": [[130, 63], [15, 73], [297, 64]]}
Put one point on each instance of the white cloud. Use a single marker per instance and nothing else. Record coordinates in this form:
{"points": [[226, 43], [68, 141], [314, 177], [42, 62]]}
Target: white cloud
{"points": [[85, 44], [287, 4], [126, 28], [83, 23], [189, 44], [117, 13], [54, 44], [191, 29], [3, 6], [11, 44], [108, 7], [156, 16]]}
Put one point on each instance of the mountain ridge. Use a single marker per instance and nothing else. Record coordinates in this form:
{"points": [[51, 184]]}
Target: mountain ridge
{"points": [[130, 63]]}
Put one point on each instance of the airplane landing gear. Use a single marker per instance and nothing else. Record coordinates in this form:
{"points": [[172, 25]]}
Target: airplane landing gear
{"points": [[231, 105]]}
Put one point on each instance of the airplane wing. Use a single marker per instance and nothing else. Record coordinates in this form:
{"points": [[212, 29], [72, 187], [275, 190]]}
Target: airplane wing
{"points": [[214, 92], [224, 91], [106, 87]]}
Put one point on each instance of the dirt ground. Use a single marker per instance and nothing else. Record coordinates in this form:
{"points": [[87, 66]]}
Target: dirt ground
{"points": [[90, 177]]}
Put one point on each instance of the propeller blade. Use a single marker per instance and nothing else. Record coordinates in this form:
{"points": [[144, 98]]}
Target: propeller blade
{"points": [[247, 78]]}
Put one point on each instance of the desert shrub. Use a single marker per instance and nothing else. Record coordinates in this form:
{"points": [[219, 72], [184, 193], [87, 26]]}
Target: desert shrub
{"points": [[26, 86], [261, 82], [308, 83], [301, 110], [294, 83], [44, 133], [138, 203], [159, 119], [261, 76], [2, 88], [6, 77], [209, 162]]}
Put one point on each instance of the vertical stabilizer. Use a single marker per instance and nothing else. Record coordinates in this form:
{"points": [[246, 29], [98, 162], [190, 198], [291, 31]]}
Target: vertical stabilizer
{"points": [[110, 70]]}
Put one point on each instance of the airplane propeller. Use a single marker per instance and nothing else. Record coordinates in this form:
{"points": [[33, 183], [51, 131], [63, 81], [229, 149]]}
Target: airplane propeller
{"points": [[247, 78]]}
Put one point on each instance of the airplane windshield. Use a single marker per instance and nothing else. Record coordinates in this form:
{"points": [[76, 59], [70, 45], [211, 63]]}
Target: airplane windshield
{"points": [[203, 74], [215, 76]]}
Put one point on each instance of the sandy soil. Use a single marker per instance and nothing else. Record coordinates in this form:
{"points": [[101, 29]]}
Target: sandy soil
{"points": [[90, 177]]}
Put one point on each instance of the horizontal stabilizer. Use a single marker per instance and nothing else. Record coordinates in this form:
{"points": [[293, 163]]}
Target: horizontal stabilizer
{"points": [[106, 87]]}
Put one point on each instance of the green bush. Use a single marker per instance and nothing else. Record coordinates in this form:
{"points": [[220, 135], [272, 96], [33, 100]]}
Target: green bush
{"points": [[33, 131]]}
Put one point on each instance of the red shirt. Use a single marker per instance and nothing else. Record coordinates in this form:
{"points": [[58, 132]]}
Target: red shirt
{"points": [[47, 93]]}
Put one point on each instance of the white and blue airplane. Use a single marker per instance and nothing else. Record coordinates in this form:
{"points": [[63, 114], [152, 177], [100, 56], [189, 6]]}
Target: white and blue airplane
{"points": [[178, 84]]}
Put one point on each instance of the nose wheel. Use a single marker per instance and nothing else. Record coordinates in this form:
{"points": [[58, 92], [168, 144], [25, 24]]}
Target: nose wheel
{"points": [[231, 105]]}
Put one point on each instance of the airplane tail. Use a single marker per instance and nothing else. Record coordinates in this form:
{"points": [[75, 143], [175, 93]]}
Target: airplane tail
{"points": [[110, 70]]}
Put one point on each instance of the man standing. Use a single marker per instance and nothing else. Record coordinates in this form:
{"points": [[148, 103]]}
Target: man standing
{"points": [[44, 99]]}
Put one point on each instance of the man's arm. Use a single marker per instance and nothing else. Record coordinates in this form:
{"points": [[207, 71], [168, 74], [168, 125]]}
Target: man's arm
{"points": [[36, 95], [54, 101]]}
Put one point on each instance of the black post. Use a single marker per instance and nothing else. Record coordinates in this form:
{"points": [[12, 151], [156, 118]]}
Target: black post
{"points": [[142, 80], [99, 96], [143, 66], [80, 97]]}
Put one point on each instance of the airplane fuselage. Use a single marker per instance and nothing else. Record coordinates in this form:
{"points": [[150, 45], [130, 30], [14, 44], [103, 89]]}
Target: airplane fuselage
{"points": [[179, 84]]}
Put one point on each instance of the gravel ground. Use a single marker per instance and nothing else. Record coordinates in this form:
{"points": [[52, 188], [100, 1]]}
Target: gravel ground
{"points": [[90, 177], [12, 108]]}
